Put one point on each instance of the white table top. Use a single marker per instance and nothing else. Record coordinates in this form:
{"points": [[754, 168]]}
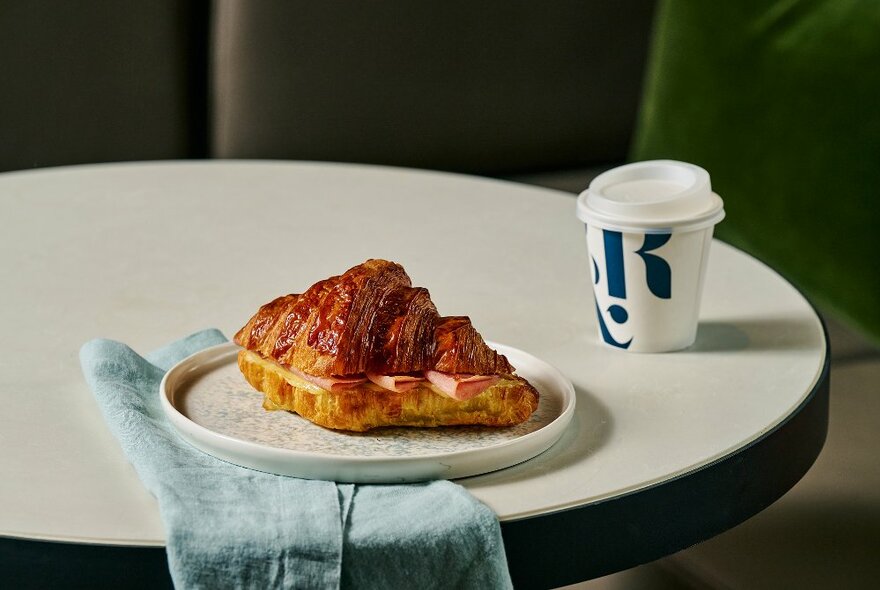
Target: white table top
{"points": [[146, 253]]}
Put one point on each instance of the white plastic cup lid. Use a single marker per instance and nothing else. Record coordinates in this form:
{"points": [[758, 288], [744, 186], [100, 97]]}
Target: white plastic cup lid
{"points": [[651, 197]]}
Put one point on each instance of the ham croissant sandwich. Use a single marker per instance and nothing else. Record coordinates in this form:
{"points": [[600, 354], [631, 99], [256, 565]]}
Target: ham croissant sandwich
{"points": [[367, 349]]}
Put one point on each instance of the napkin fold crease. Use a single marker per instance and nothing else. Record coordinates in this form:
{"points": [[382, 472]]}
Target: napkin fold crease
{"points": [[231, 527]]}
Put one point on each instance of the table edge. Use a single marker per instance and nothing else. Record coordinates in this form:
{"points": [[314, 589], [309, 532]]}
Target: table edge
{"points": [[620, 532]]}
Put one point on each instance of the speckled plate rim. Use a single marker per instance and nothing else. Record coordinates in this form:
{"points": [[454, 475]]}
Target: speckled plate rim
{"points": [[369, 469]]}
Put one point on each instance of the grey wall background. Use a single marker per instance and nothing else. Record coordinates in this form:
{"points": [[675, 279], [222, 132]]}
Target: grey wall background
{"points": [[96, 81], [489, 87]]}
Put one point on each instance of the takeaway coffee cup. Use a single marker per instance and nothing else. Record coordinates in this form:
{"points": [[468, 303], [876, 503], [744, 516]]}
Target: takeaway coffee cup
{"points": [[649, 228]]}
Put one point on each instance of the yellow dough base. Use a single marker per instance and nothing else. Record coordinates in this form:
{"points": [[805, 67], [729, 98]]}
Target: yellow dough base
{"points": [[510, 401]]}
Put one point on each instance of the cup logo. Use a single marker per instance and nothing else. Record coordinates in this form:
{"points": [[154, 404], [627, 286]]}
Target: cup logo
{"points": [[658, 277]]}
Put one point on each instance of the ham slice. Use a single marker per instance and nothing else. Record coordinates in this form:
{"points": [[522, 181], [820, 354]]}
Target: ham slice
{"points": [[398, 383], [461, 387], [330, 383], [457, 386]]}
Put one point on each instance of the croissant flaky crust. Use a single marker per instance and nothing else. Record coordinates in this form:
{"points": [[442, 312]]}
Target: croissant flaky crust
{"points": [[313, 354], [370, 318]]}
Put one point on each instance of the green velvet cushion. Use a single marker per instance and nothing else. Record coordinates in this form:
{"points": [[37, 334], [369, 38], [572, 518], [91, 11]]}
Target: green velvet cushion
{"points": [[780, 102]]}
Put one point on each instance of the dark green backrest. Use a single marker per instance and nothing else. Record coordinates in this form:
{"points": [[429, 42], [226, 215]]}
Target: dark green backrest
{"points": [[780, 101]]}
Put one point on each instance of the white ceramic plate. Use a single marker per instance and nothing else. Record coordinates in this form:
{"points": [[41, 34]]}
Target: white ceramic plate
{"points": [[210, 404]]}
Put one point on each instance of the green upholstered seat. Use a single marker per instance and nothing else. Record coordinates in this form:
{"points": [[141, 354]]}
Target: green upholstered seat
{"points": [[780, 101]]}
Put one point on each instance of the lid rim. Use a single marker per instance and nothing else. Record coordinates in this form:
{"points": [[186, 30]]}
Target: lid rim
{"points": [[711, 216], [658, 226], [694, 204]]}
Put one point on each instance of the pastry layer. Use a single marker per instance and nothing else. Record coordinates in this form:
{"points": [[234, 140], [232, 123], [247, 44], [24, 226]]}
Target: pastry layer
{"points": [[510, 401]]}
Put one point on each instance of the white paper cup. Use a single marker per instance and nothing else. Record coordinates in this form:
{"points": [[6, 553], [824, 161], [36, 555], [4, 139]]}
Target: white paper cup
{"points": [[649, 227]]}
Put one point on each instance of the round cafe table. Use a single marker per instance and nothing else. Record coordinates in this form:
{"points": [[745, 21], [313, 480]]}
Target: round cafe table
{"points": [[664, 450]]}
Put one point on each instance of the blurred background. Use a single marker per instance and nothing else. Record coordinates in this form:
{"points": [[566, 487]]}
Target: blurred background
{"points": [[779, 100]]}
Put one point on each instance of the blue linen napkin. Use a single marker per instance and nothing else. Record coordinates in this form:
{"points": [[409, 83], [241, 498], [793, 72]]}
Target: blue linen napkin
{"points": [[231, 527]]}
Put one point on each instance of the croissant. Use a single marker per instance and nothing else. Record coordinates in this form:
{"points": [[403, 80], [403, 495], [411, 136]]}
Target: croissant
{"points": [[366, 349]]}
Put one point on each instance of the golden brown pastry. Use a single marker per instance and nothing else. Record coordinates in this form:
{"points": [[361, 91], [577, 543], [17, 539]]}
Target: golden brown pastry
{"points": [[367, 349]]}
